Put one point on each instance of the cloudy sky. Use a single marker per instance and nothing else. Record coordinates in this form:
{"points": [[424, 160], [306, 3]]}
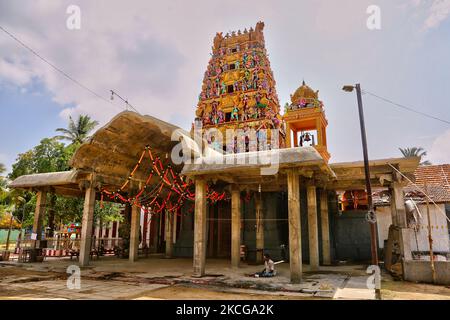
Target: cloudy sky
{"points": [[155, 53]]}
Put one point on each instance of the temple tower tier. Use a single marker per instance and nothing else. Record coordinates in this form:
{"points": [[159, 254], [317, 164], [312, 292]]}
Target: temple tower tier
{"points": [[238, 92], [305, 121]]}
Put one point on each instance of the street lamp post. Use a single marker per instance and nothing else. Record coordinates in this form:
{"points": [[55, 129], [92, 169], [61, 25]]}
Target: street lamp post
{"points": [[371, 217]]}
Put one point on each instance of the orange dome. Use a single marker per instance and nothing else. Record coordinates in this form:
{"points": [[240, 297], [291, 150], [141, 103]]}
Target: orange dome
{"points": [[304, 92]]}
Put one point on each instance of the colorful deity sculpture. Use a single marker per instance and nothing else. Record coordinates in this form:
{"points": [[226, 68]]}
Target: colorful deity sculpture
{"points": [[235, 113], [223, 89], [239, 75]]}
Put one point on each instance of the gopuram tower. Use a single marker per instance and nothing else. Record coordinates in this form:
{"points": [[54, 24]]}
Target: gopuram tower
{"points": [[238, 92]]}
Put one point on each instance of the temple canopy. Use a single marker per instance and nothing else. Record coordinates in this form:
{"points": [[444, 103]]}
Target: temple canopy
{"points": [[111, 153]]}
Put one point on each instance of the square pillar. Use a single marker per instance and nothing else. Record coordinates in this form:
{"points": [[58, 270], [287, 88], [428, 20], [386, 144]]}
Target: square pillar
{"points": [[313, 232], [200, 228], [259, 228], [295, 236], [295, 136], [288, 135], [86, 226], [398, 210], [134, 233], [235, 227], [169, 233], [41, 201], [325, 227]]}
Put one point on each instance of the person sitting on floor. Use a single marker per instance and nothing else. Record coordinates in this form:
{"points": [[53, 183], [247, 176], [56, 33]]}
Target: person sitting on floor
{"points": [[269, 270]]}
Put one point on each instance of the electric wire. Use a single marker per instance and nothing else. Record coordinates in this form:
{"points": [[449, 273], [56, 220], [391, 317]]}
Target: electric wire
{"points": [[405, 107], [59, 70]]}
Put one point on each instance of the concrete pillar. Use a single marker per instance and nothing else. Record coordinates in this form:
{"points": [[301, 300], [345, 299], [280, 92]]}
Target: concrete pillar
{"points": [[325, 227], [134, 233], [398, 210], [313, 232], [174, 227], [295, 236], [200, 228], [169, 233], [41, 201], [288, 135], [295, 138], [259, 228], [86, 225], [235, 227]]}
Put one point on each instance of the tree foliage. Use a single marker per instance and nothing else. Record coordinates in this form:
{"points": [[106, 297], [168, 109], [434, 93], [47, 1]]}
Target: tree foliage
{"points": [[51, 155], [415, 152], [77, 131]]}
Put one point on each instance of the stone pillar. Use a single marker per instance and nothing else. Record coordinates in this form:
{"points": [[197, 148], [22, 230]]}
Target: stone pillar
{"points": [[288, 135], [235, 227], [86, 225], [200, 228], [313, 232], [41, 201], [134, 233], [295, 236], [145, 230], [295, 136], [259, 228], [169, 233], [398, 210], [325, 227], [174, 227]]}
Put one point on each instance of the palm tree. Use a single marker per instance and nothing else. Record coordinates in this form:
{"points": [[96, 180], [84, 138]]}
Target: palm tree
{"points": [[2, 168], [415, 152], [77, 132]]}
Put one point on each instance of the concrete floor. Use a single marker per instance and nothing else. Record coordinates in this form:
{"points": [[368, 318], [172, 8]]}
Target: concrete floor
{"points": [[159, 278]]}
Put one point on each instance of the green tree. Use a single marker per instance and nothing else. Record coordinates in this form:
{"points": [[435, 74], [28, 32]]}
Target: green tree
{"points": [[415, 152], [77, 131], [49, 156]]}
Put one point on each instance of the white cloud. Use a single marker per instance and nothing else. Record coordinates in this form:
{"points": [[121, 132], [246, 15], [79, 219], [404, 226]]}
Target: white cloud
{"points": [[440, 149], [437, 13], [16, 73]]}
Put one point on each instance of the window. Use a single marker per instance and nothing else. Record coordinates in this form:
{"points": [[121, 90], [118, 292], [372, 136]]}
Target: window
{"points": [[234, 50], [232, 66], [227, 117], [230, 88]]}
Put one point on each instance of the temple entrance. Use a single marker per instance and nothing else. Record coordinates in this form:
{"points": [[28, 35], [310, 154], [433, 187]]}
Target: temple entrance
{"points": [[219, 230]]}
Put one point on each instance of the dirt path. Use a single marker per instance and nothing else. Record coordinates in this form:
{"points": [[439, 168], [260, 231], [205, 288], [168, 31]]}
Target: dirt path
{"points": [[403, 290], [181, 292]]}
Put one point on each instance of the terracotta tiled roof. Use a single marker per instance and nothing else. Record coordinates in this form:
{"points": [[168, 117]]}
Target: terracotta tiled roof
{"points": [[437, 179]]}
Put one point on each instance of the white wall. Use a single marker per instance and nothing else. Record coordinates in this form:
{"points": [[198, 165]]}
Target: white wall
{"points": [[384, 220], [439, 231]]}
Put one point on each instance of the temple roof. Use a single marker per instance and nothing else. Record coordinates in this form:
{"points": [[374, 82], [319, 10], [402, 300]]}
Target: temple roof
{"points": [[304, 92]]}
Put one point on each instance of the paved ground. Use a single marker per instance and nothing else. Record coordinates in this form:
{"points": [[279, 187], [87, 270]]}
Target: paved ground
{"points": [[157, 278]]}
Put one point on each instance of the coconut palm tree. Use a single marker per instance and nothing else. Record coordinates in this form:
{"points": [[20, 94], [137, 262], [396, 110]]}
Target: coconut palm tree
{"points": [[77, 131], [415, 152]]}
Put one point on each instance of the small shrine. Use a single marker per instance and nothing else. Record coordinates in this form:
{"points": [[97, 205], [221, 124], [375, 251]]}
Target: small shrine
{"points": [[305, 121], [238, 90]]}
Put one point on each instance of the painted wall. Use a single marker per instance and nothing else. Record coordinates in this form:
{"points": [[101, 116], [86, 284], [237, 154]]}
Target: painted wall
{"points": [[12, 238], [384, 220], [439, 230]]}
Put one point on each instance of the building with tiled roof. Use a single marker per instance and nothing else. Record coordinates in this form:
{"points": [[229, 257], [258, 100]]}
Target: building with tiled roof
{"points": [[434, 180]]}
